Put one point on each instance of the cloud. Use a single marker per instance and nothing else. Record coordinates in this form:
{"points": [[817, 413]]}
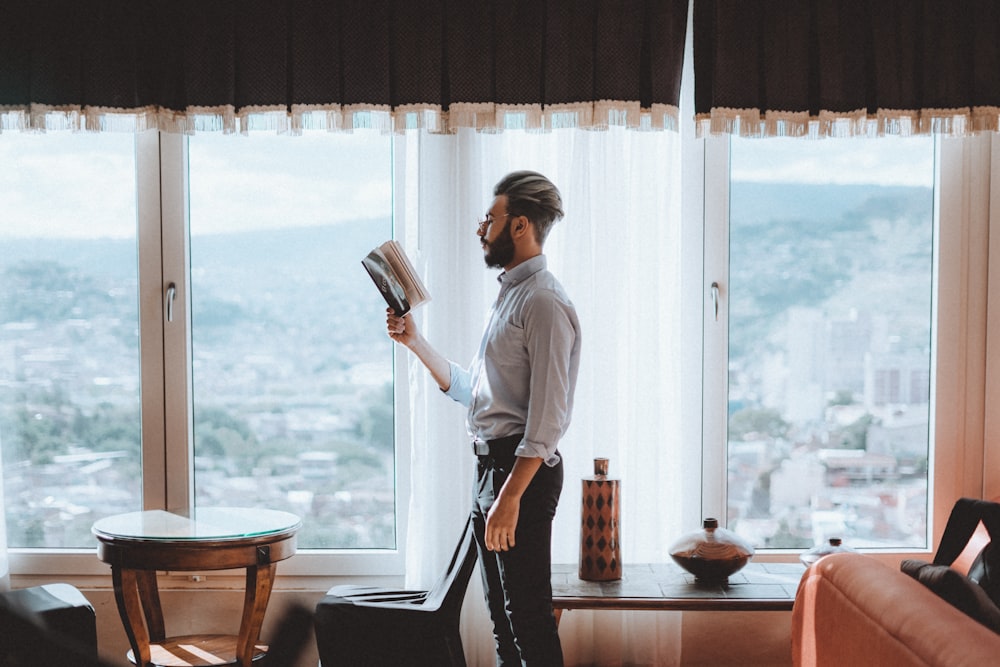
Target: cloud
{"points": [[65, 184], [82, 185], [263, 181], [881, 161]]}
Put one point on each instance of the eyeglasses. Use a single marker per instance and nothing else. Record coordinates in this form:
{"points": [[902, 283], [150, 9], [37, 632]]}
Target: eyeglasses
{"points": [[485, 224]]}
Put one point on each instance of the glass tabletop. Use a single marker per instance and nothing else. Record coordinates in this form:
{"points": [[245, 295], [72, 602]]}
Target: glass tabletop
{"points": [[205, 523]]}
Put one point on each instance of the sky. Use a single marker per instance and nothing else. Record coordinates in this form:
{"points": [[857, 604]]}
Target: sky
{"points": [[63, 184], [885, 160]]}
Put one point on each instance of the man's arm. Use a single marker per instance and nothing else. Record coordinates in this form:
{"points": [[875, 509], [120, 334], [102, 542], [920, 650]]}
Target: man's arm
{"points": [[501, 522], [552, 341], [404, 331]]}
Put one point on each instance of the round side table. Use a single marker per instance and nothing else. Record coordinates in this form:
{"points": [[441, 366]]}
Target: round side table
{"points": [[137, 544]]}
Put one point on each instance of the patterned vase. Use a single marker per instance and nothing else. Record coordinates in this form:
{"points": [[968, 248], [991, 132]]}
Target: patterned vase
{"points": [[600, 542]]}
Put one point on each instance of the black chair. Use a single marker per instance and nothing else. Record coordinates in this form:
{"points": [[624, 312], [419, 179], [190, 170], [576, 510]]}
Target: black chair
{"points": [[972, 527], [52, 624], [375, 626]]}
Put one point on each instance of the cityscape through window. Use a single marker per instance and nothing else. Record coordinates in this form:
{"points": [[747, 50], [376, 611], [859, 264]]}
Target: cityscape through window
{"points": [[831, 258]]}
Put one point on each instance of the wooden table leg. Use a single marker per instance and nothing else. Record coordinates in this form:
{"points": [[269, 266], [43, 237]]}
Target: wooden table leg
{"points": [[260, 579], [149, 593], [130, 609]]}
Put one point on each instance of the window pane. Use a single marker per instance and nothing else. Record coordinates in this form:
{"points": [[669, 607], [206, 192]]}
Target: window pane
{"points": [[831, 265], [293, 385], [69, 335]]}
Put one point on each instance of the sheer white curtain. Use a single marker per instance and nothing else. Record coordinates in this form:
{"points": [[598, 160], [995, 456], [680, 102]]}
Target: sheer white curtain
{"points": [[617, 253]]}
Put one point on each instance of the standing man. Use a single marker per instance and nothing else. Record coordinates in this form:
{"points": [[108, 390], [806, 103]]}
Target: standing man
{"points": [[519, 391]]}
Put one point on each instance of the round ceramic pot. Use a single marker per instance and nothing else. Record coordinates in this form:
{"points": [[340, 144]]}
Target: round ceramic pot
{"points": [[834, 546], [711, 554]]}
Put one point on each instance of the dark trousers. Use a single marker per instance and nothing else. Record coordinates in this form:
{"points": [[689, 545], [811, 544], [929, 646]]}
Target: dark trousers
{"points": [[517, 583]]}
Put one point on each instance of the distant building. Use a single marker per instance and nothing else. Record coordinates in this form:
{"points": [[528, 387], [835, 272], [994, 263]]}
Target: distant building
{"points": [[902, 434], [856, 466], [796, 481], [897, 379]]}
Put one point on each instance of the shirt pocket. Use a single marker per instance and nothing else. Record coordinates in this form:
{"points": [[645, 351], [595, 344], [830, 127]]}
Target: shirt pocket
{"points": [[506, 346]]}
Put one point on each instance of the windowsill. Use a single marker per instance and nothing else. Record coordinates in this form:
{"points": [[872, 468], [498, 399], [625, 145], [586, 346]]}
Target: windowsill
{"points": [[890, 557], [228, 580], [303, 571]]}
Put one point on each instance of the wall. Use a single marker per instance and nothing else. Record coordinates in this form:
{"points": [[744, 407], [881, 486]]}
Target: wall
{"points": [[709, 639], [739, 639], [196, 612]]}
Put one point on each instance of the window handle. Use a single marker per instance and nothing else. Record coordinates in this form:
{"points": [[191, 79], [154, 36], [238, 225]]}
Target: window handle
{"points": [[170, 296], [715, 299]]}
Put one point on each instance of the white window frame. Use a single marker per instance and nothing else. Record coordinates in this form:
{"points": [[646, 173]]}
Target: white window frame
{"points": [[991, 435], [966, 373], [165, 357], [966, 338]]}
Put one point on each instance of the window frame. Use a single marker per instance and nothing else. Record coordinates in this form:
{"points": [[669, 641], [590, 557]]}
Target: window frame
{"points": [[163, 256], [965, 375], [967, 326], [991, 434]]}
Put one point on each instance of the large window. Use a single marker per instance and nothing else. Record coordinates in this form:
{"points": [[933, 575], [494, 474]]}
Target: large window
{"points": [[847, 326], [830, 319], [266, 378], [292, 373], [837, 376]]}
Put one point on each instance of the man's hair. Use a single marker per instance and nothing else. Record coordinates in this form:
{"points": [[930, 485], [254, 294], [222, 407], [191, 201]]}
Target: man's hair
{"points": [[532, 195]]}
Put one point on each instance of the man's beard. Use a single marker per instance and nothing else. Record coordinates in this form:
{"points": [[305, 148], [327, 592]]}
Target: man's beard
{"points": [[500, 251]]}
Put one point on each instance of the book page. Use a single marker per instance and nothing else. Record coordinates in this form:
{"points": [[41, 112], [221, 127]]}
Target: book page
{"points": [[413, 286]]}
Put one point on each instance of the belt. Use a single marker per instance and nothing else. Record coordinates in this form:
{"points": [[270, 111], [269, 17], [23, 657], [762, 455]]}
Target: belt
{"points": [[498, 448]]}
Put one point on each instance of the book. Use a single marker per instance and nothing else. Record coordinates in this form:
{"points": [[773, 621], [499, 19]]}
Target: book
{"points": [[396, 279]]}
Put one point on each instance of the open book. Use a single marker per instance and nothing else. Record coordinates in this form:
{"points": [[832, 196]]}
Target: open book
{"points": [[395, 277]]}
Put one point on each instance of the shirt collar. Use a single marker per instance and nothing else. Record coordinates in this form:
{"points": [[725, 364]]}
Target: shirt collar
{"points": [[523, 270]]}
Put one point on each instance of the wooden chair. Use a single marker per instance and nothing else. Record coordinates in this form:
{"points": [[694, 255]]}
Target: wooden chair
{"points": [[376, 626]]}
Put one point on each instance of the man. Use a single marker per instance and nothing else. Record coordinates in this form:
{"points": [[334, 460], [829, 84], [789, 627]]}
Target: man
{"points": [[519, 391]]}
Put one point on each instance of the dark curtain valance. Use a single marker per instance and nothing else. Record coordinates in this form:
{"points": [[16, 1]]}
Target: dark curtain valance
{"points": [[213, 64], [843, 67]]}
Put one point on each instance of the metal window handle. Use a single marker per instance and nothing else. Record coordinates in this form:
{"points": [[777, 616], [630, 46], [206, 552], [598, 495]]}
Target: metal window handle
{"points": [[715, 299], [171, 294]]}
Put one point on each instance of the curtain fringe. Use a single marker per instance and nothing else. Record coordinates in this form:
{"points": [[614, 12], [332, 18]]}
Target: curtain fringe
{"points": [[482, 117], [858, 123], [616, 114], [489, 117], [985, 119], [786, 124]]}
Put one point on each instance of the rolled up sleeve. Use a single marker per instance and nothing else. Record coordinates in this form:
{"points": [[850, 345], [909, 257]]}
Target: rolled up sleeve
{"points": [[460, 389]]}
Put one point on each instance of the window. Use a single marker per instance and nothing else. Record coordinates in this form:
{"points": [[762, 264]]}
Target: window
{"points": [[69, 335], [829, 308], [292, 374], [228, 270], [825, 359], [261, 385]]}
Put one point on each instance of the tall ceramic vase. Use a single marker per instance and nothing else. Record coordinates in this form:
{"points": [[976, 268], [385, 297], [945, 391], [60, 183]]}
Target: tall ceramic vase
{"points": [[600, 545]]}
